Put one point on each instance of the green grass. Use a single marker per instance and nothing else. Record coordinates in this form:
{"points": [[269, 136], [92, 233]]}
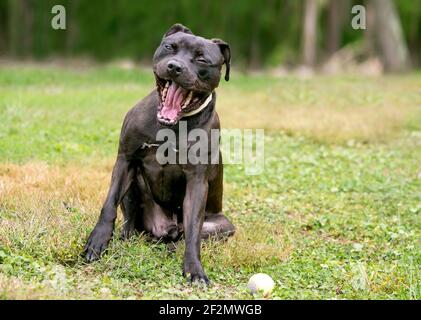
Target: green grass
{"points": [[335, 215]]}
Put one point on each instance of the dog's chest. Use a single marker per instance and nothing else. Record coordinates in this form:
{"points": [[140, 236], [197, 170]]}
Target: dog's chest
{"points": [[166, 183]]}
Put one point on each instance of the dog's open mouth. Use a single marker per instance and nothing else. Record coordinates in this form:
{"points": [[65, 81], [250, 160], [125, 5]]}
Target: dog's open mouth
{"points": [[176, 101]]}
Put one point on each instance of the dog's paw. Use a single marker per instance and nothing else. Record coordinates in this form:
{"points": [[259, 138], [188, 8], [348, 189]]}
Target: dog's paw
{"points": [[97, 242], [127, 233], [195, 274]]}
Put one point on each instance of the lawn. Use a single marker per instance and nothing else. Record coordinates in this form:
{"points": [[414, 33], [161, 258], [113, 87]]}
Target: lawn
{"points": [[334, 215]]}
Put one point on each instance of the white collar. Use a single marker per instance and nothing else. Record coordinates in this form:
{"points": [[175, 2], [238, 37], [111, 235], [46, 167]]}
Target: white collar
{"points": [[203, 106]]}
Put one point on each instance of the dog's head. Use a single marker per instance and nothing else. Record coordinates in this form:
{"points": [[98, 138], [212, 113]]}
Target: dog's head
{"points": [[187, 69]]}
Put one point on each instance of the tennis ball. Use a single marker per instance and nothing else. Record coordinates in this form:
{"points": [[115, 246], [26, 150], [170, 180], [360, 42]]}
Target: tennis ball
{"points": [[261, 283]]}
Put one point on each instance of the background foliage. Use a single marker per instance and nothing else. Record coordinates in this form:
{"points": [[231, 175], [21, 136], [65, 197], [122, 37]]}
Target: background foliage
{"points": [[265, 32]]}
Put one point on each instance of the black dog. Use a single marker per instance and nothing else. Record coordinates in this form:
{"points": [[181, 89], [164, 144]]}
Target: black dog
{"points": [[166, 201]]}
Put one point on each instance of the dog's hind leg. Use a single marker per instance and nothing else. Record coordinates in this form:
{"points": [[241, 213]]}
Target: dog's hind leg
{"points": [[132, 209], [216, 225]]}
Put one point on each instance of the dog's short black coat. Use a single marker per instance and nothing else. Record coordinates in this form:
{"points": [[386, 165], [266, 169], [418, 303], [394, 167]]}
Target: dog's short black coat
{"points": [[168, 201]]}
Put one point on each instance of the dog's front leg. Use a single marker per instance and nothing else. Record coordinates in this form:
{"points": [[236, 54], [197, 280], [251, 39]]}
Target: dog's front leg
{"points": [[193, 215], [101, 235]]}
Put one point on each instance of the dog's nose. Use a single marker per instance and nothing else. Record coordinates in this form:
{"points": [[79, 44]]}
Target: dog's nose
{"points": [[174, 68]]}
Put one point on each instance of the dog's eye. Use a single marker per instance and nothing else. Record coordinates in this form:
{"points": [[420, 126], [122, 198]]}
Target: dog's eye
{"points": [[169, 46], [202, 60]]}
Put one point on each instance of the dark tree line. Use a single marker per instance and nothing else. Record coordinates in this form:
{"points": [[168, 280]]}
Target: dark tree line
{"points": [[265, 32]]}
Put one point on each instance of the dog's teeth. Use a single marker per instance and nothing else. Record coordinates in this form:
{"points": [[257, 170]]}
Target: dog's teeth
{"points": [[167, 85], [186, 103], [189, 97]]}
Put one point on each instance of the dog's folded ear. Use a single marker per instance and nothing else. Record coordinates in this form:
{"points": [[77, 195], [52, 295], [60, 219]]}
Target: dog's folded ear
{"points": [[226, 53], [178, 27]]}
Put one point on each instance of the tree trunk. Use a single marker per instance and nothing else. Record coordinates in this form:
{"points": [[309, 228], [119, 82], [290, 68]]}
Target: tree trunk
{"points": [[2, 33], [21, 25], [28, 26], [254, 62], [370, 34], [337, 13], [14, 28], [309, 32], [390, 41], [72, 30], [3, 26]]}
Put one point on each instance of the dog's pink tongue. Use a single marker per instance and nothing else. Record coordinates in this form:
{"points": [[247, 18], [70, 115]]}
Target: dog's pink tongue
{"points": [[172, 103]]}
